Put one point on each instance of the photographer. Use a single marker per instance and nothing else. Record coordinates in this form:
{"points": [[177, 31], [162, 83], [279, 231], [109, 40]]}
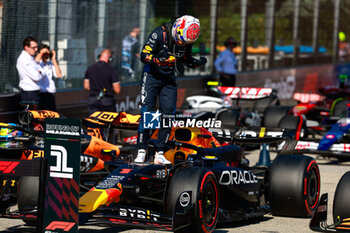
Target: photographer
{"points": [[49, 70], [102, 81]]}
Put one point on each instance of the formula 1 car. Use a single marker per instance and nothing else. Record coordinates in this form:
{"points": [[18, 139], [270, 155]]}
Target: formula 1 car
{"points": [[322, 110], [207, 183], [341, 211], [25, 141], [335, 143], [224, 105]]}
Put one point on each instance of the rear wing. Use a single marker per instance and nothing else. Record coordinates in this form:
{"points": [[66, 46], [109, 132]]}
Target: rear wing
{"points": [[246, 93], [338, 150], [308, 97], [115, 119], [254, 135]]}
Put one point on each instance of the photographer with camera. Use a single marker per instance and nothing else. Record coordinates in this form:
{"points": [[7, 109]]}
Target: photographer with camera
{"points": [[102, 81], [49, 70]]}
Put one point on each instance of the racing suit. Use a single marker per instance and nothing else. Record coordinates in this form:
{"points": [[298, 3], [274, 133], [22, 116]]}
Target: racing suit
{"points": [[161, 57]]}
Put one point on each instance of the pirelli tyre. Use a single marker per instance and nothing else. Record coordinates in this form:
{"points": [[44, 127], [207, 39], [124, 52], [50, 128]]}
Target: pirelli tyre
{"points": [[273, 115], [341, 201], [28, 193], [27, 199], [201, 185], [294, 186]]}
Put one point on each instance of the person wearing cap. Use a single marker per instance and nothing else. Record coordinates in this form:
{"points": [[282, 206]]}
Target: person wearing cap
{"points": [[226, 64], [166, 50]]}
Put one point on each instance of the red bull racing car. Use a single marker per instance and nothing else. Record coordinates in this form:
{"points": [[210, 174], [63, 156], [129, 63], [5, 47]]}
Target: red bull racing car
{"points": [[206, 183]]}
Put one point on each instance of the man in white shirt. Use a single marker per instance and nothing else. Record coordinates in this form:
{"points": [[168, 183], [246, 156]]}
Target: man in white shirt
{"points": [[29, 71], [49, 71]]}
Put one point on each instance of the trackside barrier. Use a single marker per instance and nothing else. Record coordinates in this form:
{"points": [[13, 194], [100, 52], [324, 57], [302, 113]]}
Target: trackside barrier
{"points": [[19, 168]]}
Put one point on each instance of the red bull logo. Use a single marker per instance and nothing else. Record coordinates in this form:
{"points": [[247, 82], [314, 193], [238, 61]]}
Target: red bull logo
{"points": [[114, 193], [193, 31]]}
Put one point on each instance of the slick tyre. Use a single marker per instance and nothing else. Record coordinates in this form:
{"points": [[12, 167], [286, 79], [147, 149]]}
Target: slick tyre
{"points": [[294, 186], [28, 193], [341, 201], [273, 115], [205, 198]]}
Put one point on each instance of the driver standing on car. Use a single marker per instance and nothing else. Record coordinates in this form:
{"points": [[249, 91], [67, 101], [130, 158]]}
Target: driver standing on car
{"points": [[166, 50]]}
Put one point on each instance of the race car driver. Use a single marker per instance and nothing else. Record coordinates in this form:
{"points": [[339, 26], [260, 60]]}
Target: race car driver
{"points": [[166, 50]]}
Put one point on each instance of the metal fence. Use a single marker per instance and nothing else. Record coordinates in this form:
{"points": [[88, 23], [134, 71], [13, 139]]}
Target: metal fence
{"points": [[271, 33]]}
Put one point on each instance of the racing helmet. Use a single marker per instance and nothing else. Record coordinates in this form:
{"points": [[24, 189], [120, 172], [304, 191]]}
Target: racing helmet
{"points": [[185, 30]]}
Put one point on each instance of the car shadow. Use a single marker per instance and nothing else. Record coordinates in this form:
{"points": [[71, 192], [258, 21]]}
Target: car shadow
{"points": [[220, 226]]}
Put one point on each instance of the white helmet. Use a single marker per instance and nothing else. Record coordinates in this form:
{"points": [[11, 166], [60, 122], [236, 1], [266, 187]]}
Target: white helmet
{"points": [[185, 30]]}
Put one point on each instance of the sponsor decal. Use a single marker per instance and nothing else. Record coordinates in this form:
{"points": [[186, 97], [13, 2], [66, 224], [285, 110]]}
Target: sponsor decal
{"points": [[72, 130], [61, 169], [125, 170], [192, 31], [126, 104], [261, 133], [151, 120], [29, 154], [285, 86], [322, 208], [109, 182], [209, 123], [185, 199], [131, 140], [154, 36], [44, 113], [7, 167], [161, 174], [237, 177], [148, 48], [140, 214], [245, 92], [59, 225]]}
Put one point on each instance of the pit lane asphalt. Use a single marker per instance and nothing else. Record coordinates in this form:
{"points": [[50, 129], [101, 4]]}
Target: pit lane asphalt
{"points": [[330, 170]]}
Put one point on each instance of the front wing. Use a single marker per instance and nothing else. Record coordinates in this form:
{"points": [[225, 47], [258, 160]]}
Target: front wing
{"points": [[339, 150], [136, 217], [318, 221]]}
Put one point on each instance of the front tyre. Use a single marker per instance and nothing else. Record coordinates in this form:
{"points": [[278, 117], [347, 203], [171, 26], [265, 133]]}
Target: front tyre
{"points": [[294, 186], [341, 201], [205, 197]]}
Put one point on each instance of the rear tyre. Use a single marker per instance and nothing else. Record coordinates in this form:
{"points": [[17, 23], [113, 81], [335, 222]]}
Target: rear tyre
{"points": [[341, 201], [273, 115], [205, 197], [339, 108], [28, 193], [294, 186]]}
